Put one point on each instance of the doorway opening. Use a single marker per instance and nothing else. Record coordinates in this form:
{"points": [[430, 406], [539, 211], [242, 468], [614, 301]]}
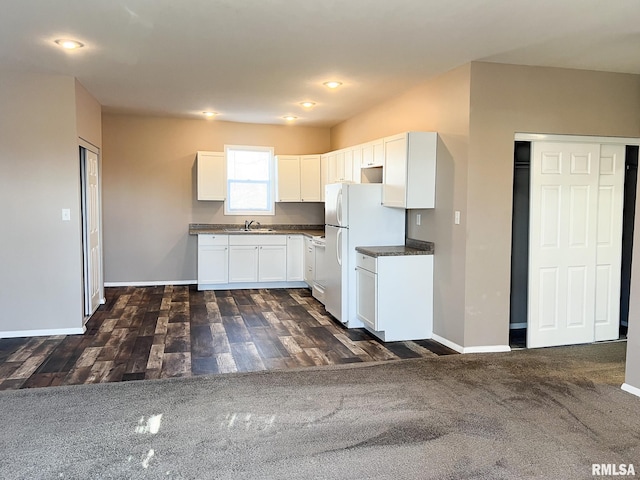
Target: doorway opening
{"points": [[521, 214]]}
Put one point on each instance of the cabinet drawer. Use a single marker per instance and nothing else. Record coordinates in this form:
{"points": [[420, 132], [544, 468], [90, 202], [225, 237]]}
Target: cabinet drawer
{"points": [[211, 239], [257, 239], [367, 262]]}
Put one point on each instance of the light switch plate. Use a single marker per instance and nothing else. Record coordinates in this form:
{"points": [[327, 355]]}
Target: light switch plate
{"points": [[457, 217], [418, 219], [66, 214]]}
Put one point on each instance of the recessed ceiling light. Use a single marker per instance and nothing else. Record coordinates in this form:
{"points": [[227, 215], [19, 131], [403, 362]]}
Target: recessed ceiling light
{"points": [[69, 44], [332, 84], [308, 104], [210, 114], [289, 118]]}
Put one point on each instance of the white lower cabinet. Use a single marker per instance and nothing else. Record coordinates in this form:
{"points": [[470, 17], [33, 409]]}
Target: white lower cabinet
{"points": [[272, 263], [309, 261], [394, 295], [250, 261], [295, 258], [243, 263], [213, 259]]}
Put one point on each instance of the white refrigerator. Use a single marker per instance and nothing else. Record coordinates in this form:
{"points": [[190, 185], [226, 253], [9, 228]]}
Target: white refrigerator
{"points": [[354, 217]]}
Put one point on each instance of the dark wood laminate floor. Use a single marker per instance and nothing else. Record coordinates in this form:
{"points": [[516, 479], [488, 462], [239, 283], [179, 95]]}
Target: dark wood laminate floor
{"points": [[176, 331]]}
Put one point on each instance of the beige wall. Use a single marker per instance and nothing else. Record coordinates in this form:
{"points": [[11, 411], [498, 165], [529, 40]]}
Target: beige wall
{"points": [[442, 105], [149, 194], [40, 258], [506, 99], [88, 116]]}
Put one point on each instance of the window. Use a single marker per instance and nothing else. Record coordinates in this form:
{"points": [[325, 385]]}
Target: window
{"points": [[250, 181]]}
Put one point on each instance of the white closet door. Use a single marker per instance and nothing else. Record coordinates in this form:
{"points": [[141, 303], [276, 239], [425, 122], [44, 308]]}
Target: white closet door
{"points": [[93, 253], [609, 242], [562, 244]]}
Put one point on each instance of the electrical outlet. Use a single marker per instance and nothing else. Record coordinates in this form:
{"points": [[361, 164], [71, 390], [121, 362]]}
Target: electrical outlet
{"points": [[66, 214], [418, 219], [457, 217]]}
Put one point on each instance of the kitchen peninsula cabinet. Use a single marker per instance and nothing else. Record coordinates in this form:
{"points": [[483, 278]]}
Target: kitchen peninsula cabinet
{"points": [[409, 173], [394, 293], [211, 176]]}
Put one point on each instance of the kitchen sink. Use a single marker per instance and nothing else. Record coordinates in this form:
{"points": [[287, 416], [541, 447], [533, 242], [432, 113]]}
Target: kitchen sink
{"points": [[248, 230]]}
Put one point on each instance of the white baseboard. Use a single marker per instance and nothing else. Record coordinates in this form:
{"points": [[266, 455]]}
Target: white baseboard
{"points": [[447, 343], [479, 349], [43, 333], [150, 283], [488, 349], [633, 390], [516, 326]]}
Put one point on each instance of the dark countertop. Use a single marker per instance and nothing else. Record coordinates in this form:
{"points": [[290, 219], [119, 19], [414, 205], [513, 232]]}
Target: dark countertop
{"points": [[277, 229], [411, 247]]}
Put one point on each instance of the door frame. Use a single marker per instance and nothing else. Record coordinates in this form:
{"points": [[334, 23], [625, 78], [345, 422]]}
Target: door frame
{"points": [[541, 137], [82, 144]]}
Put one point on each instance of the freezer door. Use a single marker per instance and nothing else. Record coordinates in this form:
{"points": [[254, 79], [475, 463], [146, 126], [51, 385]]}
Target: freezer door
{"points": [[335, 271], [335, 204]]}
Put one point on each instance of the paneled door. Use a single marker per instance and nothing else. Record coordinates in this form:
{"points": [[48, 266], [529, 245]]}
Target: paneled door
{"points": [[91, 231], [575, 243], [609, 242]]}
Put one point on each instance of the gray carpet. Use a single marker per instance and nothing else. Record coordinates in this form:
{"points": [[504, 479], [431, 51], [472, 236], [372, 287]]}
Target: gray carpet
{"points": [[546, 413]]}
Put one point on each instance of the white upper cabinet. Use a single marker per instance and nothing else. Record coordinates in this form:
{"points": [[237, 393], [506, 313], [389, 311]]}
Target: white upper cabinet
{"points": [[211, 176], [324, 174], [410, 170], [373, 154], [356, 161], [288, 178], [310, 181], [299, 178]]}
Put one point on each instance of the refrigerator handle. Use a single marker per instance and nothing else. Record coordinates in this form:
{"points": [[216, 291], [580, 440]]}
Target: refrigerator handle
{"points": [[339, 208], [339, 246]]}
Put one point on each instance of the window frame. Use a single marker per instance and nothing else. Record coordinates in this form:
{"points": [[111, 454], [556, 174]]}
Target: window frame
{"points": [[271, 183]]}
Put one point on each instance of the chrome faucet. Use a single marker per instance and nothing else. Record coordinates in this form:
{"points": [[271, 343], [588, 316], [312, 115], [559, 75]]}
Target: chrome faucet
{"points": [[248, 223]]}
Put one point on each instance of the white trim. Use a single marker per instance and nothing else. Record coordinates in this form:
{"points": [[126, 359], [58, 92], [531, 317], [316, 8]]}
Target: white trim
{"points": [[447, 343], [251, 285], [515, 326], [546, 137], [479, 349], [632, 390], [43, 333], [150, 283], [487, 349]]}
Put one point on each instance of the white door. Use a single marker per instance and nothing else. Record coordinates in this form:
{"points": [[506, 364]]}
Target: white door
{"points": [[609, 242], [91, 231], [575, 243]]}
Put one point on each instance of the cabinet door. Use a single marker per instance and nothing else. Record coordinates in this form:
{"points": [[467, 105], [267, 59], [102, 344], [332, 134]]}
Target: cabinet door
{"points": [[324, 174], [378, 153], [211, 176], [272, 263], [213, 264], [356, 164], [394, 185], [243, 263], [366, 297], [288, 178], [347, 166], [310, 182], [295, 258], [332, 166], [309, 261]]}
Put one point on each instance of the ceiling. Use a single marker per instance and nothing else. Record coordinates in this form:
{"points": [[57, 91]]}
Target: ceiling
{"points": [[255, 60]]}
